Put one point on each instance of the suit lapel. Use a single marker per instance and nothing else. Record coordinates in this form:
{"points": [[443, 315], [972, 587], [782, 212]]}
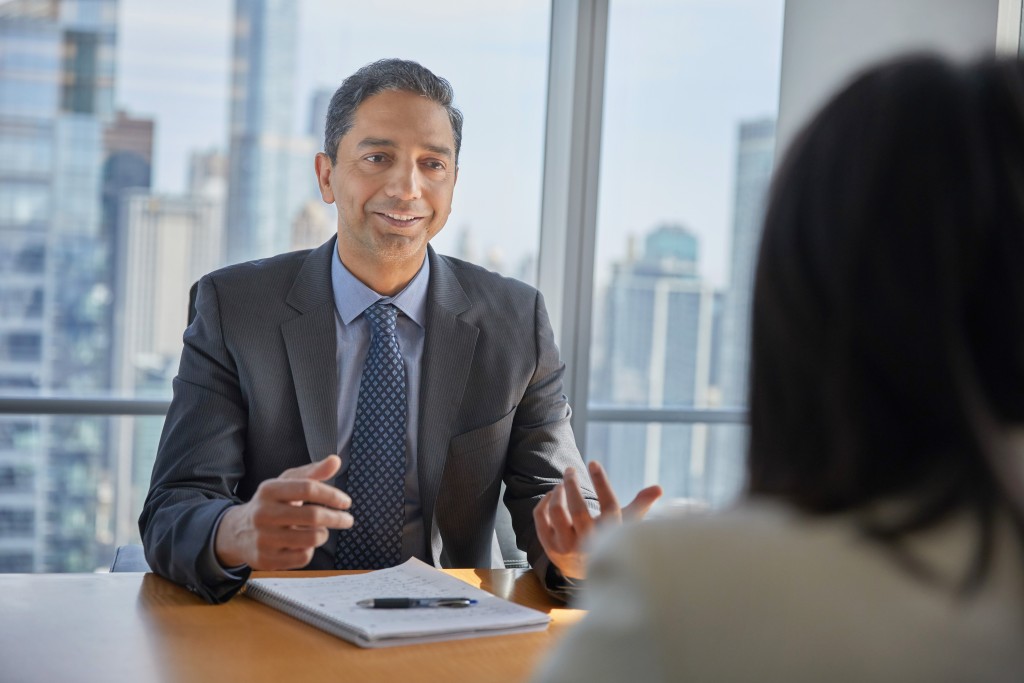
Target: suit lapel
{"points": [[311, 342], [448, 349]]}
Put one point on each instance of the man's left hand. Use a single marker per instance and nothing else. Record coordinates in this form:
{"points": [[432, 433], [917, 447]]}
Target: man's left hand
{"points": [[565, 524]]}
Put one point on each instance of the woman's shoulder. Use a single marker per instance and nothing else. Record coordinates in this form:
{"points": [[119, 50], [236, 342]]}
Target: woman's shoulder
{"points": [[763, 575], [745, 527], [772, 551]]}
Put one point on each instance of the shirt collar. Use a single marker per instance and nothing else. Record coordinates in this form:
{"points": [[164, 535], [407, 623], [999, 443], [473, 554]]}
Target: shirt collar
{"points": [[352, 297]]}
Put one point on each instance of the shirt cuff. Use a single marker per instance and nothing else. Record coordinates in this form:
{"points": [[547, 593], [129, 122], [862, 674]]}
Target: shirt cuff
{"points": [[212, 565], [562, 587]]}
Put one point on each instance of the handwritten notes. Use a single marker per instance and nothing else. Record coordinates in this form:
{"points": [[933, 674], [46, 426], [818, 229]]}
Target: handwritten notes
{"points": [[330, 603]]}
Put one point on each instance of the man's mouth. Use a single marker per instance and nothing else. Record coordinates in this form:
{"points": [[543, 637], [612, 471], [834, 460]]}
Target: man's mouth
{"points": [[400, 220]]}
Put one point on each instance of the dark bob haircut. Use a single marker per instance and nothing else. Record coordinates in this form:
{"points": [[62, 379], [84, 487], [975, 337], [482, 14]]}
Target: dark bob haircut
{"points": [[888, 312]]}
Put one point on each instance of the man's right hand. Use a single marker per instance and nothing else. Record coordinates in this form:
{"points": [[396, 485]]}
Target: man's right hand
{"points": [[287, 519]]}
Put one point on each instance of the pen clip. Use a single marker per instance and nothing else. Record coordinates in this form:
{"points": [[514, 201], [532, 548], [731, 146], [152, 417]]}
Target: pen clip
{"points": [[453, 602]]}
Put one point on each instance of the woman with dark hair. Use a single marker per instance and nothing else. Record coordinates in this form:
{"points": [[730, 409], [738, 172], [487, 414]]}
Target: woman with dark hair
{"points": [[881, 535]]}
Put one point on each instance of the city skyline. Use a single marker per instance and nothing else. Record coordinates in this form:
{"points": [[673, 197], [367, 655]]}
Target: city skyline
{"points": [[59, 227], [96, 284], [502, 155]]}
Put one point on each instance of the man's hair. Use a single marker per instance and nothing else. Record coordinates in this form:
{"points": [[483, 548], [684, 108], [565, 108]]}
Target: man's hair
{"points": [[887, 338], [377, 77]]}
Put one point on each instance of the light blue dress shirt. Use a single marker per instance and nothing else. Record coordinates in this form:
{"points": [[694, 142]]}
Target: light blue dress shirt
{"points": [[351, 298]]}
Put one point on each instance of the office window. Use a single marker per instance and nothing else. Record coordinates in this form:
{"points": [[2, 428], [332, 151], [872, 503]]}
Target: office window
{"points": [[675, 455], [16, 522], [111, 207], [22, 253], [24, 204], [17, 434], [25, 150], [21, 302], [21, 346], [687, 141], [21, 562], [29, 58], [15, 478], [114, 200]]}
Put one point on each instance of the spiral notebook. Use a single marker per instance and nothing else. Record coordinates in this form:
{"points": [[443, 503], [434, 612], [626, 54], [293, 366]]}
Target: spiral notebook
{"points": [[329, 603]]}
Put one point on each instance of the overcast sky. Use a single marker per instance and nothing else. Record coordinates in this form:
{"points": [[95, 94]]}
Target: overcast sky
{"points": [[681, 75]]}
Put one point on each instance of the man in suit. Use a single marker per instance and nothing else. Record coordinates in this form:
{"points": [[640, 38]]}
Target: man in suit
{"points": [[361, 403]]}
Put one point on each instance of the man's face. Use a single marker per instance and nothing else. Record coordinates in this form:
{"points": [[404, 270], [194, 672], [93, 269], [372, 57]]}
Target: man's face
{"points": [[392, 182]]}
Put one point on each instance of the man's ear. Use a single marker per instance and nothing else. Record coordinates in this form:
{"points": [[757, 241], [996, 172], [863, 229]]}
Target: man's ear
{"points": [[324, 168]]}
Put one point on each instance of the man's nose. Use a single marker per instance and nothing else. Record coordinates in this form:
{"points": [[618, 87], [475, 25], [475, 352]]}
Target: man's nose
{"points": [[404, 181]]}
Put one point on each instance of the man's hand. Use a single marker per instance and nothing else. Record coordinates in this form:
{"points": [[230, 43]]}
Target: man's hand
{"points": [[286, 520], [564, 523]]}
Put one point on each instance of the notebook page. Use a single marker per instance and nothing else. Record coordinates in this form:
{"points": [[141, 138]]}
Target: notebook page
{"points": [[336, 597]]}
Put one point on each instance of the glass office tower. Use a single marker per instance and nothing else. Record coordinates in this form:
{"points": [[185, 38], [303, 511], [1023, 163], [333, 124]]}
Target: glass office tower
{"points": [[263, 144], [660, 291], [56, 97], [754, 160]]}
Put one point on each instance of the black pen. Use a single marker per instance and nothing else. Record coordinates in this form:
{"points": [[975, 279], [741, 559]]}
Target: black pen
{"points": [[405, 603]]}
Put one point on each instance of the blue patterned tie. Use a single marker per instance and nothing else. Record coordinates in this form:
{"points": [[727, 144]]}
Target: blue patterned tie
{"points": [[376, 475]]}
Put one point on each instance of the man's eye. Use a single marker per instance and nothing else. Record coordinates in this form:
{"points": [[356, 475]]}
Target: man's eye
{"points": [[375, 158], [435, 165]]}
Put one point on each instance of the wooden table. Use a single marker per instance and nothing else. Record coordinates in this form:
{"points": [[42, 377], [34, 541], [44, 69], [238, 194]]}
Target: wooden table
{"points": [[140, 627]]}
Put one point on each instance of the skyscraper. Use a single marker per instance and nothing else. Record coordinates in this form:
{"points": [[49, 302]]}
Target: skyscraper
{"points": [[754, 160], [657, 327], [56, 100], [263, 145], [127, 163], [311, 227], [319, 102], [169, 243]]}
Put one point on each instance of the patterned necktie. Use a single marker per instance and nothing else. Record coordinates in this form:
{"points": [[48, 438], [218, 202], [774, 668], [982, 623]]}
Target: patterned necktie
{"points": [[376, 474]]}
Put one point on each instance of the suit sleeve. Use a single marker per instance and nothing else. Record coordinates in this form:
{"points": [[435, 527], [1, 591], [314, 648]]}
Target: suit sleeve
{"points": [[199, 460], [541, 447]]}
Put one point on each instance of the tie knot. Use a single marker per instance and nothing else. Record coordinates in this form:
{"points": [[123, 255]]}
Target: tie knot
{"points": [[383, 317]]}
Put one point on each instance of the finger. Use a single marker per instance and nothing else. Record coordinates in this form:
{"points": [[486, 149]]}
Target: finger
{"points": [[582, 520], [303, 491], [297, 538], [545, 532], [605, 494], [322, 470], [292, 538], [309, 515], [642, 503], [283, 559], [540, 512], [561, 520]]}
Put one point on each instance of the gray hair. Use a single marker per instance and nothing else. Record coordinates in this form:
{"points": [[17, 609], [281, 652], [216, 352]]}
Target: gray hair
{"points": [[386, 74]]}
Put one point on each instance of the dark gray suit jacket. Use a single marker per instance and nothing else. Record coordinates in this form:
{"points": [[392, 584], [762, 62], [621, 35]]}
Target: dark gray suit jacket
{"points": [[256, 393]]}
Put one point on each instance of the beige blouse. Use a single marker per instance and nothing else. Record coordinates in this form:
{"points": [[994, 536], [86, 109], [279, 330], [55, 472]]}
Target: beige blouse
{"points": [[763, 593]]}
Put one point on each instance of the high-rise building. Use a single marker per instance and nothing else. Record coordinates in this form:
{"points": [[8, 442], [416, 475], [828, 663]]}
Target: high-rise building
{"points": [[168, 242], [305, 181], [262, 177], [127, 165], [318, 105], [754, 160], [208, 176], [657, 335], [311, 227], [56, 102]]}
